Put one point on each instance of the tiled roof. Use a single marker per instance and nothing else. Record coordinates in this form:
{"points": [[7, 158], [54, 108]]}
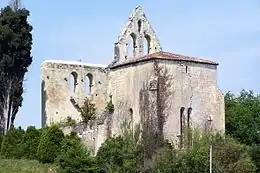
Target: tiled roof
{"points": [[163, 56]]}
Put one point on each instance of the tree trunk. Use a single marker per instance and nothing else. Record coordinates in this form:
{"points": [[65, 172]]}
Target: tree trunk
{"points": [[5, 105]]}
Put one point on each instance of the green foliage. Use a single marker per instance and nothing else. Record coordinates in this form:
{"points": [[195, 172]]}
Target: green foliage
{"points": [[110, 106], [88, 111], [15, 58], [120, 154], [50, 144], [243, 117], [228, 157], [68, 122], [74, 158], [117, 155], [243, 120], [255, 154], [30, 143], [11, 143]]}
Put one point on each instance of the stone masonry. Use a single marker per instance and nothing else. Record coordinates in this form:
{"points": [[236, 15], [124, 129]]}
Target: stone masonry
{"points": [[145, 83]]}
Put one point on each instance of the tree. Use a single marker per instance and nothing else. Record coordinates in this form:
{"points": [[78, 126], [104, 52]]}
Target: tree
{"points": [[11, 143], [243, 116], [74, 157], [88, 111], [15, 58], [50, 144], [243, 120], [30, 142], [229, 156]]}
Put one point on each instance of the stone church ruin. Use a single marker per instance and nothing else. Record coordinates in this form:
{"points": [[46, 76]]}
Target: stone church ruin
{"points": [[144, 82]]}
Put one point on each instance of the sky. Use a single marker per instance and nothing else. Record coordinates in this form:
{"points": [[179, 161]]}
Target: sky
{"points": [[226, 31]]}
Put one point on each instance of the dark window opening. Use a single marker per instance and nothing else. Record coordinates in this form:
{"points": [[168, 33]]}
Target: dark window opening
{"points": [[189, 127], [139, 25], [186, 69], [181, 126]]}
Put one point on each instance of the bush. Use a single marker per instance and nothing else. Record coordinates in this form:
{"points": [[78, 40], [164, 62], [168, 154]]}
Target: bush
{"points": [[12, 140], [88, 111], [228, 157], [30, 143], [74, 158], [118, 155], [50, 144]]}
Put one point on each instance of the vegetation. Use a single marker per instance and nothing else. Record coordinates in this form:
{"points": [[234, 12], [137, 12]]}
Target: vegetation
{"points": [[15, 58], [232, 153], [135, 151], [50, 144], [23, 166], [88, 111], [110, 106]]}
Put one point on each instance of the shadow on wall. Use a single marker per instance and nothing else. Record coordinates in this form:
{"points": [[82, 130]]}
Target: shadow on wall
{"points": [[44, 98], [153, 99]]}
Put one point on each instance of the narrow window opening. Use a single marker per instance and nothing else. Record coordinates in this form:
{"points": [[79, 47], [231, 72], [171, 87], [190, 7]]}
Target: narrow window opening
{"points": [[73, 82], [139, 25], [88, 83], [181, 126], [146, 49], [131, 44], [189, 127], [186, 69]]}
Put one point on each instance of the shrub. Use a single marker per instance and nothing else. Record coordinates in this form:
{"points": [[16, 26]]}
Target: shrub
{"points": [[30, 143], [110, 106], [88, 111], [118, 155], [50, 144], [11, 143], [74, 158]]}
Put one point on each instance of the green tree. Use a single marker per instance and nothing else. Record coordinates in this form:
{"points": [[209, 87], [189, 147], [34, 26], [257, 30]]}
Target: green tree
{"points": [[229, 156], [30, 143], [243, 116], [15, 58], [121, 153], [50, 144], [243, 120], [88, 111], [11, 143], [74, 157]]}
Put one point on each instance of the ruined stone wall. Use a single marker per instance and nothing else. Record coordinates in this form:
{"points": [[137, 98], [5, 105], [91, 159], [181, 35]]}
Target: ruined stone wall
{"points": [[58, 100], [125, 85], [193, 85]]}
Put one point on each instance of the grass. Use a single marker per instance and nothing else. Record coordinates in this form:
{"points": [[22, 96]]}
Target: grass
{"points": [[23, 166]]}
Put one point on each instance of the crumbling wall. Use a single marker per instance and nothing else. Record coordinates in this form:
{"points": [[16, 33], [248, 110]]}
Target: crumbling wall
{"points": [[59, 100]]}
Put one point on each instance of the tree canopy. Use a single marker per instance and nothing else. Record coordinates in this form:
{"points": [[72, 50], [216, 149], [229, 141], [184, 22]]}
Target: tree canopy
{"points": [[15, 58]]}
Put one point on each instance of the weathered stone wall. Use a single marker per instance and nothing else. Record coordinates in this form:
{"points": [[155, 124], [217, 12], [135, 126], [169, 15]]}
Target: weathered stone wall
{"points": [[125, 85], [57, 96], [193, 85]]}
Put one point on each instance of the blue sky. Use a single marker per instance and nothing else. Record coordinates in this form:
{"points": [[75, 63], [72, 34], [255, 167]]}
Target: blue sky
{"points": [[227, 31]]}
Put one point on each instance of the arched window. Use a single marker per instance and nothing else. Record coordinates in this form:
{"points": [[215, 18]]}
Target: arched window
{"points": [[73, 82], [189, 127], [147, 40], [182, 124], [131, 45], [88, 83]]}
